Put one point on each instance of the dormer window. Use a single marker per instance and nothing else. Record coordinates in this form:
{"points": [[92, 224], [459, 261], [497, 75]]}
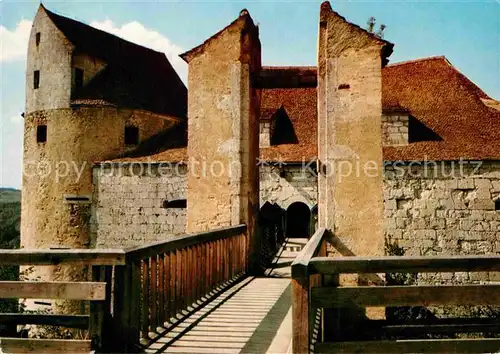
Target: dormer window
{"points": [[36, 79], [37, 39], [78, 78]]}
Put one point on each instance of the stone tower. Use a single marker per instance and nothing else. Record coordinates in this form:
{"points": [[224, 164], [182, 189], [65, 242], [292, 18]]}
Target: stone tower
{"points": [[76, 115], [350, 62], [223, 133]]}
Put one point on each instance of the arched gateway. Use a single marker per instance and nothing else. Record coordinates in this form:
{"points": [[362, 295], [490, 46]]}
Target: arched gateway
{"points": [[298, 220]]}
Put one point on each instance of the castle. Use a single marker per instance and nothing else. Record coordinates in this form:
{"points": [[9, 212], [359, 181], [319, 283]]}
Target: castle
{"points": [[119, 153]]}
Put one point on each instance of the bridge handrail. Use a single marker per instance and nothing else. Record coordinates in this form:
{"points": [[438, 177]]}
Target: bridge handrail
{"points": [[25, 256], [165, 279], [97, 292], [403, 264], [132, 291], [333, 300], [183, 241], [302, 283]]}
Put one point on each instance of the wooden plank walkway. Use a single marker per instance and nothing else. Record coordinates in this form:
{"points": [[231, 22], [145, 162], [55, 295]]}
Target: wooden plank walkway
{"points": [[253, 316]]}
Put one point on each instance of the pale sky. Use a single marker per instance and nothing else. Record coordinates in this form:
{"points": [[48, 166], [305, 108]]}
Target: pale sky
{"points": [[466, 32]]}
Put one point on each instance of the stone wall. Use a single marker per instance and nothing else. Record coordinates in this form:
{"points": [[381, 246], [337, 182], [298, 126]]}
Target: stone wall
{"points": [[394, 129], [130, 204], [265, 134], [288, 184], [61, 167], [223, 126], [349, 133], [444, 210]]}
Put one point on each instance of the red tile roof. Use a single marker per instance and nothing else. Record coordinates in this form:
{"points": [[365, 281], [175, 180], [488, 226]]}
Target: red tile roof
{"points": [[135, 76], [300, 106], [446, 101], [430, 89]]}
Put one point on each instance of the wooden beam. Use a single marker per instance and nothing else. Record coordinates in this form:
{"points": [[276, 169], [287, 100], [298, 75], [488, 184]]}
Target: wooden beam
{"points": [[329, 297], [53, 290], [488, 345], [70, 321], [66, 256], [301, 310], [182, 242], [28, 345], [310, 250], [447, 326], [404, 264]]}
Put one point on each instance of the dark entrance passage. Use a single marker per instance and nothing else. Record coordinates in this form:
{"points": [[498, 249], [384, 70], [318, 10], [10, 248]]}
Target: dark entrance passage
{"points": [[298, 220]]}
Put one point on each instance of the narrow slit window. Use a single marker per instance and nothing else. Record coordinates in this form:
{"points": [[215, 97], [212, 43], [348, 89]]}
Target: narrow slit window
{"points": [[41, 134], [131, 135], [78, 78], [37, 39], [36, 79], [177, 203], [497, 204]]}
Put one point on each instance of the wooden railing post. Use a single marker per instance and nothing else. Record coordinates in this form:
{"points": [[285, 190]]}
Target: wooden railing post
{"points": [[126, 308], [100, 311], [300, 309], [303, 316]]}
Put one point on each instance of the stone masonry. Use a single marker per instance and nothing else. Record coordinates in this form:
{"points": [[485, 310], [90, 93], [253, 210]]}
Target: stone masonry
{"points": [[223, 130], [288, 184], [394, 129], [349, 119], [433, 211], [130, 204], [265, 134]]}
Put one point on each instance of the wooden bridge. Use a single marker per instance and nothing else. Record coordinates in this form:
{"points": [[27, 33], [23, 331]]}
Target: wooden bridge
{"points": [[193, 294]]}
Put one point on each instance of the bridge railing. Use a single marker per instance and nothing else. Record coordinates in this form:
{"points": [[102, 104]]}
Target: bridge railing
{"points": [[133, 293], [97, 292], [388, 336], [163, 281], [304, 313]]}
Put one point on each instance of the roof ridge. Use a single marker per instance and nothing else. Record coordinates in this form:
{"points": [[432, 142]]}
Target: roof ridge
{"points": [[411, 61], [52, 13], [326, 6], [243, 15], [477, 90]]}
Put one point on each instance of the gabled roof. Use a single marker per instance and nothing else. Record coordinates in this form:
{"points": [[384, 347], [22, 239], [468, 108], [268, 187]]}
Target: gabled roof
{"points": [[327, 14], [135, 76], [300, 105], [243, 22], [431, 90]]}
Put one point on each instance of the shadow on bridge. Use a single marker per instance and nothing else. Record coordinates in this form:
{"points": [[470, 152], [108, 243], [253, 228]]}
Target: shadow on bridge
{"points": [[249, 315]]}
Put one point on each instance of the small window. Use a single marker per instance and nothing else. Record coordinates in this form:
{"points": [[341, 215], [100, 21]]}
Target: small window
{"points": [[37, 39], [497, 204], [36, 79], [177, 203], [131, 135], [78, 78], [41, 134], [77, 199]]}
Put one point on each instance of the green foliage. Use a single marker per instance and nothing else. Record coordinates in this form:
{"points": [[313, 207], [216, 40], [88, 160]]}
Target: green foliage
{"points": [[403, 312], [10, 216], [370, 27]]}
